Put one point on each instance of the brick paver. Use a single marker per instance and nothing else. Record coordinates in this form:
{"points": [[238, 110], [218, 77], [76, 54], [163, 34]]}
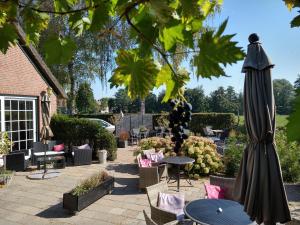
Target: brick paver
{"points": [[40, 202]]}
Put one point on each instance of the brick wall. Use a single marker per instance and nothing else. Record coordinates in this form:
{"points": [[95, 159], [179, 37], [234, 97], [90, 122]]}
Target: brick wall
{"points": [[18, 76]]}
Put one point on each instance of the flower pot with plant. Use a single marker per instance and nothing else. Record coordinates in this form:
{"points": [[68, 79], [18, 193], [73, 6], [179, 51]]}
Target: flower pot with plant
{"points": [[123, 139], [5, 146], [88, 191]]}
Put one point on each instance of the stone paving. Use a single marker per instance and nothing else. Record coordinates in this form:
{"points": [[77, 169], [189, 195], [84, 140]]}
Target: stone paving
{"points": [[40, 202]]}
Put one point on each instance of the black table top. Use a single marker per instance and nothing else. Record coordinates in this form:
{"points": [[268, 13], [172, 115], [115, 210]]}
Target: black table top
{"points": [[178, 160], [205, 211]]}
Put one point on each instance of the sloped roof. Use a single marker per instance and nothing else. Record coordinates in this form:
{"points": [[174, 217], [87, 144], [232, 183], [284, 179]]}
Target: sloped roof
{"points": [[39, 63]]}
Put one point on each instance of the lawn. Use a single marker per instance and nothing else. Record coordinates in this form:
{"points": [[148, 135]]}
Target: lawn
{"points": [[281, 120]]}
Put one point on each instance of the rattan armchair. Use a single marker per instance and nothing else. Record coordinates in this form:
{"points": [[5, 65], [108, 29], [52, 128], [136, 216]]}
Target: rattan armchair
{"points": [[149, 221], [158, 215], [224, 182]]}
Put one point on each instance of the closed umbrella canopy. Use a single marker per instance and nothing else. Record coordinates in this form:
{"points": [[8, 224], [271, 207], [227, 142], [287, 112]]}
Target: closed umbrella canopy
{"points": [[46, 132], [259, 185]]}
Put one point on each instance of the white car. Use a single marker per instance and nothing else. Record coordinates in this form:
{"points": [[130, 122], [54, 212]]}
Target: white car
{"points": [[111, 128]]}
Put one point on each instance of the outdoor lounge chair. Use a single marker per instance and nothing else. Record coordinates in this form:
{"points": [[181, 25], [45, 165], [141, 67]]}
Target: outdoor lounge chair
{"points": [[135, 136], [149, 221], [17, 161], [224, 182], [150, 175], [158, 215], [82, 156]]}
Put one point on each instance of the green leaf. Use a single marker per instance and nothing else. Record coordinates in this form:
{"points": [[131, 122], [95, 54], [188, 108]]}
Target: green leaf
{"points": [[59, 50], [100, 16], [296, 22], [8, 37], [79, 23], [173, 83], [160, 10], [34, 24], [293, 133], [172, 34], [137, 74], [216, 50], [63, 5]]}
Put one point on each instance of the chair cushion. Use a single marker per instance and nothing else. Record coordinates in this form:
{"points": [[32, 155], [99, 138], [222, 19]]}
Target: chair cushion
{"points": [[86, 146], [214, 192], [58, 148], [145, 163], [173, 203], [155, 157]]}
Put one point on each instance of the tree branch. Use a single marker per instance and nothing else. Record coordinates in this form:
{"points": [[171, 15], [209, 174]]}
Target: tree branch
{"points": [[20, 5]]}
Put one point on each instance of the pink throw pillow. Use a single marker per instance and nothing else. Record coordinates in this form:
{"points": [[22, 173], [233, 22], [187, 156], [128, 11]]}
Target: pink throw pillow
{"points": [[214, 192], [145, 163], [173, 203], [58, 148]]}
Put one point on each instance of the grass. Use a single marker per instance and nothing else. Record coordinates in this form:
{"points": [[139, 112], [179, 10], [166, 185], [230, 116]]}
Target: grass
{"points": [[281, 120]]}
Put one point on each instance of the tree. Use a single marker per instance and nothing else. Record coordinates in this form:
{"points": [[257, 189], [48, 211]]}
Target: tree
{"points": [[159, 29], [283, 94], [85, 101], [294, 118], [297, 82], [103, 104], [162, 106], [197, 99], [151, 103]]}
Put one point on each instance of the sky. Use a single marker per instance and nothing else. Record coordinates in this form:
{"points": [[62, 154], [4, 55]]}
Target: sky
{"points": [[270, 19]]}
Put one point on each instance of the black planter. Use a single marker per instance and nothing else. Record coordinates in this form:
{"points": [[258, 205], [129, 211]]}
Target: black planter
{"points": [[77, 203], [122, 144]]}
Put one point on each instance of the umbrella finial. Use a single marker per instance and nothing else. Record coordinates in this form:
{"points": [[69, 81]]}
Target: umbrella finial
{"points": [[253, 38]]}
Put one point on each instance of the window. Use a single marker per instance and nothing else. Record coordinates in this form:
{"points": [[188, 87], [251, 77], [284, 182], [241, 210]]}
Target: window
{"points": [[18, 120]]}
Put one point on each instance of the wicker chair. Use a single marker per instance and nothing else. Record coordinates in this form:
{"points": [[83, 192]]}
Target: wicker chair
{"points": [[16, 161], [158, 215], [151, 175], [149, 221], [162, 168], [82, 156], [224, 182]]}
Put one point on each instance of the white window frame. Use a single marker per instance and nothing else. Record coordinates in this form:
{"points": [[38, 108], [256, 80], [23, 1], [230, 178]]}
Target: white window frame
{"points": [[34, 111]]}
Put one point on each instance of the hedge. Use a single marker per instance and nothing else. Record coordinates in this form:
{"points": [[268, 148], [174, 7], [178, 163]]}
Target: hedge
{"points": [[109, 117], [77, 131], [201, 120]]}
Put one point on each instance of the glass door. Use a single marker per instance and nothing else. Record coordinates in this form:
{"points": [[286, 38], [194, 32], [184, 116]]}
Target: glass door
{"points": [[19, 121]]}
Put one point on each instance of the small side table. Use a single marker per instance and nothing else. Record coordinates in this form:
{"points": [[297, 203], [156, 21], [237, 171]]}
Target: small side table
{"points": [[177, 161]]}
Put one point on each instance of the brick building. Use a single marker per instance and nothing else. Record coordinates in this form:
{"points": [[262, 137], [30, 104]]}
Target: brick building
{"points": [[23, 77]]}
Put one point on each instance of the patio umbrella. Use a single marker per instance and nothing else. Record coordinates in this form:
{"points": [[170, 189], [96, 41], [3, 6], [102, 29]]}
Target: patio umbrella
{"points": [[46, 132], [259, 186]]}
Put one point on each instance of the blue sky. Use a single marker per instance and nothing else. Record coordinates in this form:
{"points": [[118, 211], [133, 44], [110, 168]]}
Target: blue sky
{"points": [[270, 19]]}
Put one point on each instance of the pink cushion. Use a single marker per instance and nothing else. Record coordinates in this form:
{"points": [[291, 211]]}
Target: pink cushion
{"points": [[214, 192], [58, 148], [86, 146], [173, 203], [145, 163]]}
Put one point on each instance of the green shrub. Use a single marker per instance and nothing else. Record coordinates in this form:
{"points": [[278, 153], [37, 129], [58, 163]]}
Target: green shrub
{"points": [[90, 183], [204, 151], [289, 155], [106, 140], [5, 143], [75, 131], [201, 120], [155, 142], [233, 155]]}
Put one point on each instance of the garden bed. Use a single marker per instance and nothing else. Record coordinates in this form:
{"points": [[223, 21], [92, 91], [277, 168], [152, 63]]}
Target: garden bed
{"points": [[82, 196]]}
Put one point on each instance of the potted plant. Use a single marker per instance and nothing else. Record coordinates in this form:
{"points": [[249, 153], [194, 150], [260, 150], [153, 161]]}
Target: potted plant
{"points": [[123, 139], [5, 146], [5, 177], [88, 191]]}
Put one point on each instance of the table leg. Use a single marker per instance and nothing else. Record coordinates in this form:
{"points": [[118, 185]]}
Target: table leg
{"points": [[178, 177]]}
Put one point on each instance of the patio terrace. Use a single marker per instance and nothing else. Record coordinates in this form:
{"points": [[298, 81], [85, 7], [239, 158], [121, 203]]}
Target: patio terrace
{"points": [[40, 201]]}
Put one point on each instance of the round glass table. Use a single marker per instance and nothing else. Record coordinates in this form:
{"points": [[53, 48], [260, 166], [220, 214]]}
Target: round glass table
{"points": [[216, 212], [177, 161]]}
